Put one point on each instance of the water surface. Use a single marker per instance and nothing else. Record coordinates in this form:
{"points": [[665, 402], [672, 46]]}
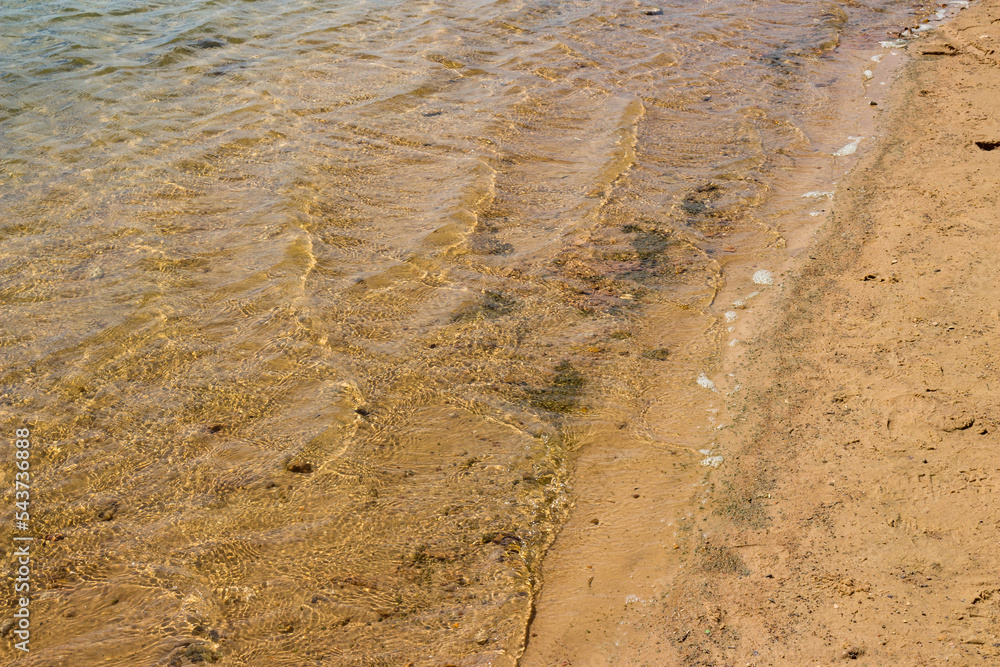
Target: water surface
{"points": [[310, 302]]}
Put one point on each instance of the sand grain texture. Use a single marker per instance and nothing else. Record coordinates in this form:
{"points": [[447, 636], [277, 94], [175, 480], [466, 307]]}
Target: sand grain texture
{"points": [[858, 515]]}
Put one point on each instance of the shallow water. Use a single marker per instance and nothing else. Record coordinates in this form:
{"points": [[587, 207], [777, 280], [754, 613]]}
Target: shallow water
{"points": [[316, 300]]}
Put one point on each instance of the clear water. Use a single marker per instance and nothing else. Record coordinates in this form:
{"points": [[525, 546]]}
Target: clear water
{"points": [[318, 296]]}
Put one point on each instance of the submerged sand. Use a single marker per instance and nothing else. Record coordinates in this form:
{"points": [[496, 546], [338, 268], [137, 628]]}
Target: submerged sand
{"points": [[856, 514]]}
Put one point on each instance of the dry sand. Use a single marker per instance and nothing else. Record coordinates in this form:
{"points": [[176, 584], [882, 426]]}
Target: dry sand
{"points": [[860, 519], [857, 516]]}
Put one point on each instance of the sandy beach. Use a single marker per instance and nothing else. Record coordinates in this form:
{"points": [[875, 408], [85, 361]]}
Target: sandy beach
{"points": [[856, 514], [499, 333]]}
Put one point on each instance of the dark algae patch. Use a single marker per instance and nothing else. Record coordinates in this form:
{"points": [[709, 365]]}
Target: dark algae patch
{"points": [[492, 304], [562, 395]]}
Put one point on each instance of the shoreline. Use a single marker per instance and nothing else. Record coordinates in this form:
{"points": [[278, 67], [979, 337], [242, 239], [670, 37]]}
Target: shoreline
{"points": [[856, 514], [714, 610]]}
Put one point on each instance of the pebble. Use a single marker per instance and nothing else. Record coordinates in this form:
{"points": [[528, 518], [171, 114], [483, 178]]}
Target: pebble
{"points": [[299, 466], [202, 653], [108, 510]]}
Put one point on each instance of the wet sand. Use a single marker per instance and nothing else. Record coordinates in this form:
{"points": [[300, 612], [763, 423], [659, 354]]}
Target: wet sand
{"points": [[855, 515], [315, 375]]}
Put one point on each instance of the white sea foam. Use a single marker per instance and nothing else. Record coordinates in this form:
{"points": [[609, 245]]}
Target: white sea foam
{"points": [[703, 381], [712, 461], [742, 303], [731, 316], [762, 277], [818, 194], [848, 149]]}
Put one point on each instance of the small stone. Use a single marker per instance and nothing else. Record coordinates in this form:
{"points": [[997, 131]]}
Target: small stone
{"points": [[108, 510], [652, 11], [853, 653], [201, 653], [297, 466], [659, 354]]}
